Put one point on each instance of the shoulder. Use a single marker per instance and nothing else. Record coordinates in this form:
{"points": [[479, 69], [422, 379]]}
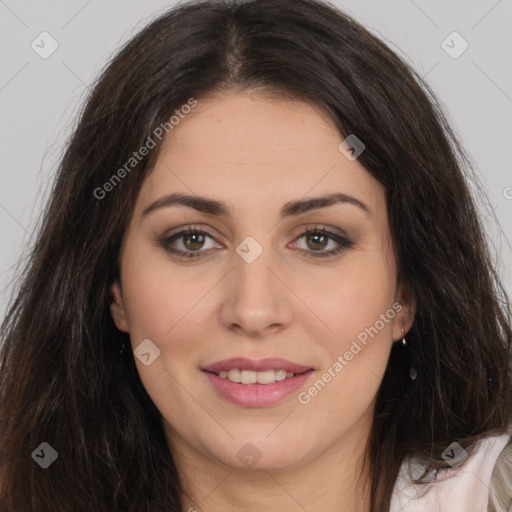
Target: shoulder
{"points": [[500, 494], [482, 483]]}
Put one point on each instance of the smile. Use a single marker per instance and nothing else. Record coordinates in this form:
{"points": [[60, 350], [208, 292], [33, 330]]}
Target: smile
{"points": [[250, 383], [252, 377]]}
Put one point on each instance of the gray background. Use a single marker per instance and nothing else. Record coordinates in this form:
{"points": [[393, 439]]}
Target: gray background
{"points": [[39, 98]]}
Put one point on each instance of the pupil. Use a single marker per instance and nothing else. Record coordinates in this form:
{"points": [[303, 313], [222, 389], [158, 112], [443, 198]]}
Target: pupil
{"points": [[198, 236], [319, 236]]}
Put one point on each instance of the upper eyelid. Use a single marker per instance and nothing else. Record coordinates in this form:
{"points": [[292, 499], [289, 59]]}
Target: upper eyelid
{"points": [[311, 227], [331, 232]]}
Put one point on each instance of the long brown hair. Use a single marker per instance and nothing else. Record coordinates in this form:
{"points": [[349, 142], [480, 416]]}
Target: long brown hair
{"points": [[64, 380]]}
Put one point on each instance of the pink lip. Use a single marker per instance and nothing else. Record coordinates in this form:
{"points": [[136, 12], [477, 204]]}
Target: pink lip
{"points": [[257, 395], [242, 363]]}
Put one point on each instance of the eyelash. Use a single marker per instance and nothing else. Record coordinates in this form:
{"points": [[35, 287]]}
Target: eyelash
{"points": [[343, 242]]}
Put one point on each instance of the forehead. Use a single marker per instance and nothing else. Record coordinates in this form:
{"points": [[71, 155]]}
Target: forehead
{"points": [[250, 121], [249, 148]]}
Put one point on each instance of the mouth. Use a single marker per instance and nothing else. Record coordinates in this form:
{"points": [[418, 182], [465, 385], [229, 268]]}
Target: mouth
{"points": [[252, 383], [241, 376], [275, 364]]}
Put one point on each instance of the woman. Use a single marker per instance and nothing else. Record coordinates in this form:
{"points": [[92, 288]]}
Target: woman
{"points": [[260, 282]]}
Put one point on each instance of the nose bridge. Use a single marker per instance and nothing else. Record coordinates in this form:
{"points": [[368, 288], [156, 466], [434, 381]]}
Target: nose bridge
{"points": [[252, 277], [256, 298]]}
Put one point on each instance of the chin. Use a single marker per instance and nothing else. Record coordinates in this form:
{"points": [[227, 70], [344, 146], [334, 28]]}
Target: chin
{"points": [[257, 453]]}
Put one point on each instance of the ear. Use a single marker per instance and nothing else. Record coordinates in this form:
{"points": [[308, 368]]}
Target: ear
{"points": [[117, 309], [404, 318]]}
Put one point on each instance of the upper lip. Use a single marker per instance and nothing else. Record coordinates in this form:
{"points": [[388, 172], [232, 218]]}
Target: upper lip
{"points": [[242, 363]]}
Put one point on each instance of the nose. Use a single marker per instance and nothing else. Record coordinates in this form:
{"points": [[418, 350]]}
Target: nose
{"points": [[257, 298]]}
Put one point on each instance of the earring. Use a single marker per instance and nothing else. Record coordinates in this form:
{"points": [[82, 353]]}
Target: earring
{"points": [[122, 349], [413, 373]]}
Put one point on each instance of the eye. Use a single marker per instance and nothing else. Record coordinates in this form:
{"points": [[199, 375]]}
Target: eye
{"points": [[318, 238], [191, 239]]}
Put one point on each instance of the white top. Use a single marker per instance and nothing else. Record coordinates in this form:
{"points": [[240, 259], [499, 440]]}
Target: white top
{"points": [[462, 489]]}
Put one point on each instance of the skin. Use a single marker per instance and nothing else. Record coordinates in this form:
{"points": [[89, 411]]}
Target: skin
{"points": [[256, 153]]}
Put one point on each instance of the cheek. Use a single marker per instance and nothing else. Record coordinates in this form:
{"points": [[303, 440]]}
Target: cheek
{"points": [[163, 305], [160, 297], [356, 304], [351, 298]]}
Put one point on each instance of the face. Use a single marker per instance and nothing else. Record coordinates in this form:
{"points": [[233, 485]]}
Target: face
{"points": [[242, 279]]}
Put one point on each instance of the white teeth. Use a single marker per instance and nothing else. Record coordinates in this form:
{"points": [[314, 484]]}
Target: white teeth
{"points": [[266, 377], [234, 375], [281, 374], [251, 377], [248, 377]]}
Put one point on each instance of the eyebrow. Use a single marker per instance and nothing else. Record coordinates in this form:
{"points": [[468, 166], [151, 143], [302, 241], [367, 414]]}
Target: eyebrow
{"points": [[212, 207]]}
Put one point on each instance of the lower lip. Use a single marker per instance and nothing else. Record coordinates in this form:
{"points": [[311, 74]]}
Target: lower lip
{"points": [[257, 395]]}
